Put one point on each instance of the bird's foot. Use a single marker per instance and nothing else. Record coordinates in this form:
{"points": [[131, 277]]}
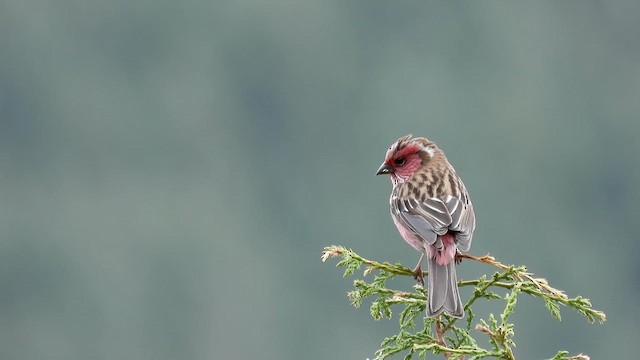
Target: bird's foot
{"points": [[417, 271], [458, 257], [418, 275]]}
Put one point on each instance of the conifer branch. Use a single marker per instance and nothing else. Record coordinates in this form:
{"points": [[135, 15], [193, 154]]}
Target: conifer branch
{"points": [[452, 341]]}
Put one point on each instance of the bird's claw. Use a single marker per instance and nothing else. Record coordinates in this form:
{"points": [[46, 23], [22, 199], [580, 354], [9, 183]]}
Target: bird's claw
{"points": [[458, 257], [418, 275]]}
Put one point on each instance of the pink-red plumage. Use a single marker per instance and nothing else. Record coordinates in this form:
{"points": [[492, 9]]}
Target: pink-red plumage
{"points": [[431, 208], [448, 252]]}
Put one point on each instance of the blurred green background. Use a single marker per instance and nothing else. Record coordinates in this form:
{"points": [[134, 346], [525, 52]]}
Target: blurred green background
{"points": [[170, 171]]}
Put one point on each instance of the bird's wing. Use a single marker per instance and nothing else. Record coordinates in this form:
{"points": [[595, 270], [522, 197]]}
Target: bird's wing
{"points": [[436, 216], [464, 221]]}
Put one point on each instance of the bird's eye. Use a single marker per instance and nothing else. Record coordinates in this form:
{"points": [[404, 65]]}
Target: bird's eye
{"points": [[399, 161]]}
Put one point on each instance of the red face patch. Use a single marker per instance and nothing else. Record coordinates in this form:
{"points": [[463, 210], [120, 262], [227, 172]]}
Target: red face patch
{"points": [[403, 152]]}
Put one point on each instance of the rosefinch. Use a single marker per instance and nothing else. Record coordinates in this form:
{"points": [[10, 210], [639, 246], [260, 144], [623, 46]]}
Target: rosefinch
{"points": [[431, 208]]}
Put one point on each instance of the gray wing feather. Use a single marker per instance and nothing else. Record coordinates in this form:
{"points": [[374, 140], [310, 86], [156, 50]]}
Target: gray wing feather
{"points": [[421, 226], [436, 216], [464, 222]]}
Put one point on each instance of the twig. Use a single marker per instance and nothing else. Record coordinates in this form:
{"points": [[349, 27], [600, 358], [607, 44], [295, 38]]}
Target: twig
{"points": [[539, 282], [440, 338]]}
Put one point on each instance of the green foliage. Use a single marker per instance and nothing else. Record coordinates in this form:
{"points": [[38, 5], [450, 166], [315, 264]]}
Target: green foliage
{"points": [[442, 334]]}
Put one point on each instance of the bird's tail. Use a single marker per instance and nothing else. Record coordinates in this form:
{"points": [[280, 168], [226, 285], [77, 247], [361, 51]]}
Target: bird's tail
{"points": [[443, 289]]}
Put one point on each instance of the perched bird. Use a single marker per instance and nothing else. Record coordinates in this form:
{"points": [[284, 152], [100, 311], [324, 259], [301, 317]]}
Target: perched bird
{"points": [[431, 208]]}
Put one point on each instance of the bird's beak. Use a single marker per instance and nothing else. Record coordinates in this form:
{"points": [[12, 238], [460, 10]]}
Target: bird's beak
{"points": [[384, 169]]}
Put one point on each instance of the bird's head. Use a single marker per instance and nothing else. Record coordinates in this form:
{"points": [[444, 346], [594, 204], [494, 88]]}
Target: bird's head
{"points": [[406, 156]]}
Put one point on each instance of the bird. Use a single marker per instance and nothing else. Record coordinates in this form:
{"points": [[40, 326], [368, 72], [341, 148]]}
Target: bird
{"points": [[431, 208]]}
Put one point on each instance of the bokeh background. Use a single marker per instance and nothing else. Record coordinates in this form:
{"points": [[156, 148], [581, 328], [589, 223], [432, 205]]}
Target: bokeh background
{"points": [[171, 171]]}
